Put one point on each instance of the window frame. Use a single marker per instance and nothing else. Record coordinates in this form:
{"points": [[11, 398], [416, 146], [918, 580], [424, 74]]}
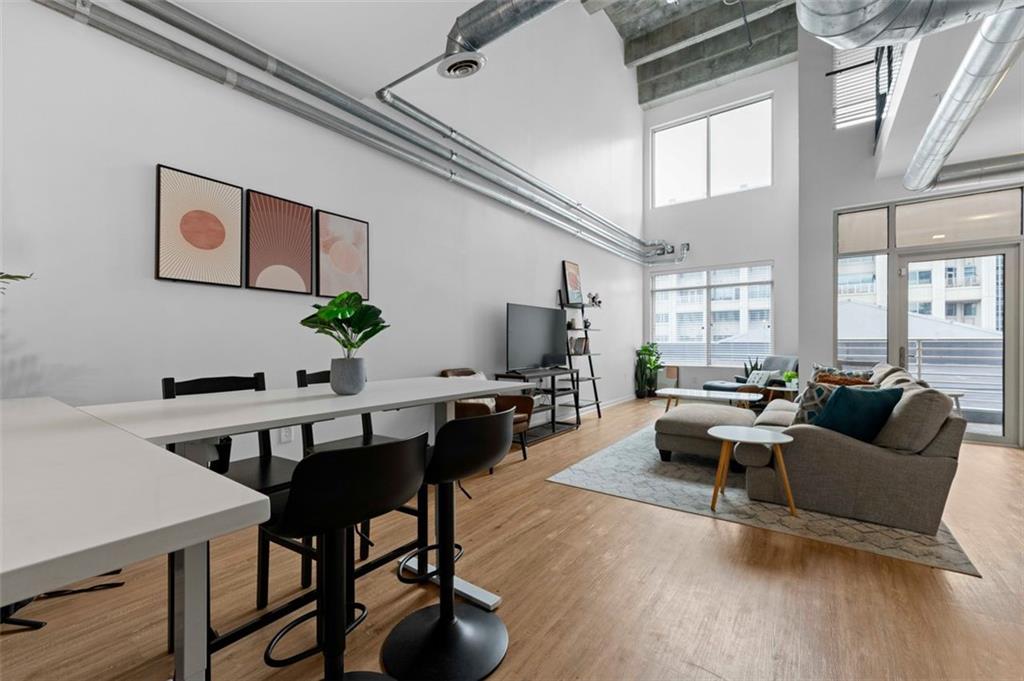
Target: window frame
{"points": [[707, 115], [707, 310]]}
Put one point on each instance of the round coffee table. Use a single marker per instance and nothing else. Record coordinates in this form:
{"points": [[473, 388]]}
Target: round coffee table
{"points": [[732, 435]]}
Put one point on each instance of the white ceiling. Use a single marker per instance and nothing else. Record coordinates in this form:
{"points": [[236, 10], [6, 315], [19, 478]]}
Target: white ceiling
{"points": [[997, 130], [356, 45]]}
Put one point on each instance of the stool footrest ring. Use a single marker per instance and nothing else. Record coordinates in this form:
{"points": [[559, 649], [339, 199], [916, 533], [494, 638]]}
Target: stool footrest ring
{"points": [[268, 654], [403, 566]]}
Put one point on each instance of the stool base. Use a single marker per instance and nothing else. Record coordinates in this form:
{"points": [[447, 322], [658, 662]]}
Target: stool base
{"points": [[366, 676], [422, 646]]}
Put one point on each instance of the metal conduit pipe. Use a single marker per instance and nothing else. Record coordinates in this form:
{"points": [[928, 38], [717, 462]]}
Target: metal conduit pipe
{"points": [[388, 97], [211, 34], [995, 48], [859, 23], [156, 44]]}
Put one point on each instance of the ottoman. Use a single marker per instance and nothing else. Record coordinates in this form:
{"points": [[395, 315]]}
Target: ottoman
{"points": [[685, 428]]}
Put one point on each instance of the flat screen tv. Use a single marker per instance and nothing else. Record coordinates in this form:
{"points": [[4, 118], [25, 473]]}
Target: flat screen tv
{"points": [[535, 337]]}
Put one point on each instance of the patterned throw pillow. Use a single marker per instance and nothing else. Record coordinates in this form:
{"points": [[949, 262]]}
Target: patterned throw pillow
{"points": [[820, 368], [838, 379], [812, 400]]}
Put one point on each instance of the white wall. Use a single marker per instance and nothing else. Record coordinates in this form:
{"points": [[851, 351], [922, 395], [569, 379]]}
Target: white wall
{"points": [[755, 225], [87, 117]]}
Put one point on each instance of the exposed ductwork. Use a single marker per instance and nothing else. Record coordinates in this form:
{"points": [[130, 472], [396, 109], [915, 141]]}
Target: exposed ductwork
{"points": [[1000, 169], [995, 48], [481, 24], [861, 23], [120, 27]]}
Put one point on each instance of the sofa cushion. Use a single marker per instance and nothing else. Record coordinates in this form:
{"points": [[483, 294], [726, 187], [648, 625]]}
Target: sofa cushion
{"points": [[900, 376], [860, 414], [835, 371], [839, 379], [693, 419], [812, 400], [881, 371], [915, 421], [775, 417]]}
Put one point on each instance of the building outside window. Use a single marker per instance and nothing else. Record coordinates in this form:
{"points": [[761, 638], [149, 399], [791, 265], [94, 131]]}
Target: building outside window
{"points": [[714, 321]]}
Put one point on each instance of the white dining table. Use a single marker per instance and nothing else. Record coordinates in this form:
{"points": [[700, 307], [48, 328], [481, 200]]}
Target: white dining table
{"points": [[81, 497], [193, 423]]}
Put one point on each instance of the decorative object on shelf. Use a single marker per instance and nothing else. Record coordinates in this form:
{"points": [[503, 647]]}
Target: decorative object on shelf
{"points": [[648, 363], [351, 322], [594, 299], [571, 324], [573, 286], [576, 346], [343, 255], [751, 365], [6, 279], [791, 378], [279, 248], [586, 323], [581, 346], [198, 228]]}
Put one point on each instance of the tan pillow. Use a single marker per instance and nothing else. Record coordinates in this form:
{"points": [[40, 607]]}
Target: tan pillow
{"points": [[489, 401], [915, 421], [837, 379], [881, 371]]}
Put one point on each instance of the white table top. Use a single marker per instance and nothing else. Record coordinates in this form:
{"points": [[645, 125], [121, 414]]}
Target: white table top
{"points": [[711, 395], [197, 417], [756, 436], [81, 497]]}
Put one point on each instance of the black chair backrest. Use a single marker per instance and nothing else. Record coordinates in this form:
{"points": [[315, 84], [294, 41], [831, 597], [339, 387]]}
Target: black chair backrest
{"points": [[221, 384], [332, 490], [469, 445], [212, 384], [304, 379]]}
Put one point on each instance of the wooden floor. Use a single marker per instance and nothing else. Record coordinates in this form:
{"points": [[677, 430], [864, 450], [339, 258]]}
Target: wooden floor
{"points": [[597, 587]]}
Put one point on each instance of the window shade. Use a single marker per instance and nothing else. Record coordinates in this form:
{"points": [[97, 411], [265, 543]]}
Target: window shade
{"points": [[853, 91]]}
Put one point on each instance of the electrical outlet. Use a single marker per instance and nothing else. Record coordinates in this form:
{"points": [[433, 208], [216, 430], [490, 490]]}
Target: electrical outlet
{"points": [[285, 435]]}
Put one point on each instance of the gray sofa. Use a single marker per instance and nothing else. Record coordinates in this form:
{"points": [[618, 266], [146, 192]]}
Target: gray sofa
{"points": [[902, 479], [777, 363]]}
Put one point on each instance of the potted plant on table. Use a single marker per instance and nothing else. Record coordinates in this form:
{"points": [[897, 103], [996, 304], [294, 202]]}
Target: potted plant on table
{"points": [[790, 377], [351, 322], [648, 364]]}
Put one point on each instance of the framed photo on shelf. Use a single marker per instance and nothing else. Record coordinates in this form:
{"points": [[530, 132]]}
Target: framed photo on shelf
{"points": [[342, 255], [279, 244], [573, 285], [198, 228]]}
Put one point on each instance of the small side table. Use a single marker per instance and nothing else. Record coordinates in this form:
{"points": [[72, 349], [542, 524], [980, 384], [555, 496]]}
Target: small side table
{"points": [[730, 436], [955, 396]]}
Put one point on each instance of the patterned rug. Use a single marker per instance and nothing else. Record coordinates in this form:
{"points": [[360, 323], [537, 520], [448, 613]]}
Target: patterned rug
{"points": [[632, 469]]}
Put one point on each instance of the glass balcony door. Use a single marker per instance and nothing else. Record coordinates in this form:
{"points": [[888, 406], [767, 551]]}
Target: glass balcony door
{"points": [[955, 327]]}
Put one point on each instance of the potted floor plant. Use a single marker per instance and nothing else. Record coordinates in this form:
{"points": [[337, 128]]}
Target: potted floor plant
{"points": [[648, 364], [351, 322]]}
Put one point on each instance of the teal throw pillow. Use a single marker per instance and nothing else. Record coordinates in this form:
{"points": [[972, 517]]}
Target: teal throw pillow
{"points": [[859, 414]]}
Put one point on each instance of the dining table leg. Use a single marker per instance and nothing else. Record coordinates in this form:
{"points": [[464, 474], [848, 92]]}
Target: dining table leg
{"points": [[191, 613]]}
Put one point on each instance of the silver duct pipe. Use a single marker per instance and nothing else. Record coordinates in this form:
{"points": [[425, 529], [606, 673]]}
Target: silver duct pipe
{"points": [[213, 35], [986, 170], [487, 21], [995, 48], [156, 44], [859, 23], [442, 128]]}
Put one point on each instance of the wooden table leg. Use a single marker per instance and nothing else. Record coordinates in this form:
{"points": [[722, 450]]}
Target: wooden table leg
{"points": [[668, 403], [781, 465], [722, 473]]}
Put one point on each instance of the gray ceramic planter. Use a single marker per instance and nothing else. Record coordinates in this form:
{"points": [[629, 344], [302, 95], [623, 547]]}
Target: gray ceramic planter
{"points": [[348, 375]]}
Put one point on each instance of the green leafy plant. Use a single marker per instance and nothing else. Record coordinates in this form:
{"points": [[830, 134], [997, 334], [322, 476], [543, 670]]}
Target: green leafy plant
{"points": [[788, 376], [751, 365], [648, 364], [6, 278], [348, 320]]}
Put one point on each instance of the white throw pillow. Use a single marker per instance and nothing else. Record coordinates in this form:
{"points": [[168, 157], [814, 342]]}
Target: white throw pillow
{"points": [[489, 401]]}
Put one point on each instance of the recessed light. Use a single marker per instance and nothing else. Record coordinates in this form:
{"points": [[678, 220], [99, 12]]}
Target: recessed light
{"points": [[938, 236]]}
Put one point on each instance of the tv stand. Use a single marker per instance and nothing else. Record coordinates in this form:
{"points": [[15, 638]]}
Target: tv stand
{"points": [[548, 385]]}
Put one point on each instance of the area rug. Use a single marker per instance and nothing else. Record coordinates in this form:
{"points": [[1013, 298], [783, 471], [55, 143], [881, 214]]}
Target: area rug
{"points": [[632, 469]]}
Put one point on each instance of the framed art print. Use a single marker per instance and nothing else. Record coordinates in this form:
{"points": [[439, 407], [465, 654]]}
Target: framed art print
{"points": [[342, 255], [573, 286], [199, 228], [279, 244]]}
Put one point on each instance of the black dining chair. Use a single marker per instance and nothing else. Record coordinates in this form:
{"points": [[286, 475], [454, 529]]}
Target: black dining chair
{"points": [[332, 491], [451, 641], [266, 473]]}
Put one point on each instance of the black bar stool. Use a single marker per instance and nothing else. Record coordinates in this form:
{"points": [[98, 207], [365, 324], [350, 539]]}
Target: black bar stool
{"points": [[331, 492], [452, 641]]}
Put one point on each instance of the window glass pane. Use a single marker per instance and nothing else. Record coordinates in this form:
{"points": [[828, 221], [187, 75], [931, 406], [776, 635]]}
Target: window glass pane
{"points": [[739, 275], [962, 218], [679, 280], [861, 310], [865, 230], [740, 325], [680, 163], [679, 327], [741, 148]]}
